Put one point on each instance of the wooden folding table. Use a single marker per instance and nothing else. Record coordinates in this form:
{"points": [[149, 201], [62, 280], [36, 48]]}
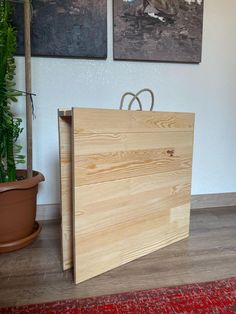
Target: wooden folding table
{"points": [[125, 185]]}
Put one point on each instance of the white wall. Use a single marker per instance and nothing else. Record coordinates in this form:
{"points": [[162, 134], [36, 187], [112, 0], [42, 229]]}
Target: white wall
{"points": [[208, 89]]}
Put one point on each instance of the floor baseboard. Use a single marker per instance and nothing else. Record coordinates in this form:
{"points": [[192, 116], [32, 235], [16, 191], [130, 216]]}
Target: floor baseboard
{"points": [[213, 200], [52, 211], [48, 212]]}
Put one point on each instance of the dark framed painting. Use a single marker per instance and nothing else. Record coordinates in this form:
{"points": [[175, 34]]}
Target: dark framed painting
{"points": [[65, 28], [158, 30]]}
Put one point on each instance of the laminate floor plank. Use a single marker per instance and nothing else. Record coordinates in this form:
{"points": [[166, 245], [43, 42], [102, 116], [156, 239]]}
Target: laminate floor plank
{"points": [[34, 274]]}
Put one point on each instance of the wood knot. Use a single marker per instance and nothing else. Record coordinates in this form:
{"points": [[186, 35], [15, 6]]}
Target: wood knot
{"points": [[171, 152]]}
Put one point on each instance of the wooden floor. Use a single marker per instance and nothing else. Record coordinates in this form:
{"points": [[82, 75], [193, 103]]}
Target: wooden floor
{"points": [[33, 274]]}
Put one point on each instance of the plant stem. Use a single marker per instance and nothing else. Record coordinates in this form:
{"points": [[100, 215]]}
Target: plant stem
{"points": [[28, 85]]}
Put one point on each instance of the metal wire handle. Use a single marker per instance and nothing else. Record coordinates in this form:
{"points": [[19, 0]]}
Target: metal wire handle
{"points": [[136, 98]]}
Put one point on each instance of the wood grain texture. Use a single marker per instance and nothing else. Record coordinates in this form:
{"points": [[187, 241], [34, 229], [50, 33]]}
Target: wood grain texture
{"points": [[120, 221], [131, 185], [122, 121], [64, 124], [104, 167], [89, 144]]}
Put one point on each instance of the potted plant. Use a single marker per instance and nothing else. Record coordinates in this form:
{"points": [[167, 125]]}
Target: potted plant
{"points": [[18, 189]]}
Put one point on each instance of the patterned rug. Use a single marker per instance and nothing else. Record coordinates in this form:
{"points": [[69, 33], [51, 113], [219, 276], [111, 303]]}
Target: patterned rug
{"points": [[216, 297]]}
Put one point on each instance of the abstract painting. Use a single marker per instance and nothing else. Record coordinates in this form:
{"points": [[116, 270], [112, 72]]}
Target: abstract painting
{"points": [[65, 28], [158, 30]]}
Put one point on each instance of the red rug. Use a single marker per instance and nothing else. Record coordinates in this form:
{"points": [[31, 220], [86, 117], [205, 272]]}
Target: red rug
{"points": [[214, 297]]}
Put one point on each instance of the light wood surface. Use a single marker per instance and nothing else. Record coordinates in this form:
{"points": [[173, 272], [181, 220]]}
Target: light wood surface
{"points": [[107, 121], [131, 186], [105, 167], [64, 124], [110, 143], [34, 275], [124, 221]]}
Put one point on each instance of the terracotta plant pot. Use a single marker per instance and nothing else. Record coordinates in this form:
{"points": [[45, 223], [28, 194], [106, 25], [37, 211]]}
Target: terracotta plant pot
{"points": [[18, 202]]}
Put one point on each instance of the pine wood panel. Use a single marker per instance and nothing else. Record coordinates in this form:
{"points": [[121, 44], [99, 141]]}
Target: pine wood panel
{"points": [[135, 185], [131, 196], [122, 121], [88, 144], [159, 216], [124, 164], [64, 124], [116, 198], [121, 221], [102, 251]]}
